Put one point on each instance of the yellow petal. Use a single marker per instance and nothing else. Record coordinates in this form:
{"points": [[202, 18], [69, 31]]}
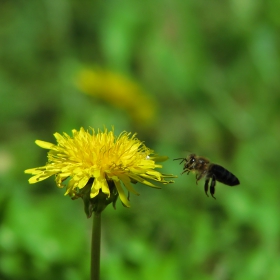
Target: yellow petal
{"points": [[70, 187], [83, 182], [44, 145], [38, 178], [32, 171], [100, 183], [122, 194], [126, 180], [105, 188], [143, 181], [93, 193], [137, 170], [155, 174]]}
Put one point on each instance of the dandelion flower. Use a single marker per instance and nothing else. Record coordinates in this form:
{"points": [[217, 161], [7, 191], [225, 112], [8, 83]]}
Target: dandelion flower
{"points": [[97, 166]]}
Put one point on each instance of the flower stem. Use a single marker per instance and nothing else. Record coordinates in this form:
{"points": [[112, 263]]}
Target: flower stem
{"points": [[95, 246]]}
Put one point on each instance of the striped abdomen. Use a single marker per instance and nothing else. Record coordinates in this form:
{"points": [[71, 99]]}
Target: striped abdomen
{"points": [[222, 175]]}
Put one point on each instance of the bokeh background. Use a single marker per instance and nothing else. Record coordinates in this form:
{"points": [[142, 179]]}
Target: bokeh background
{"points": [[186, 76]]}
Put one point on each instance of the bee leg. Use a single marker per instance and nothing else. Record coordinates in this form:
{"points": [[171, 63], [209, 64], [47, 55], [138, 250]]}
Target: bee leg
{"points": [[206, 186], [212, 187], [186, 170], [198, 177]]}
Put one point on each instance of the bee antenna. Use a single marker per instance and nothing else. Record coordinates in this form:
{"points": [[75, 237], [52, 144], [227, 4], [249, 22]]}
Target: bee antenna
{"points": [[183, 159]]}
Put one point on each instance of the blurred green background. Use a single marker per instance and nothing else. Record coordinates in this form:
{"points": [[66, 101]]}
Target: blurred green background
{"points": [[187, 76]]}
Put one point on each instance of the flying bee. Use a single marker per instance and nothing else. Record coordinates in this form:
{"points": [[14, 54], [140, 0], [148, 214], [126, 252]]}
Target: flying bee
{"points": [[202, 167]]}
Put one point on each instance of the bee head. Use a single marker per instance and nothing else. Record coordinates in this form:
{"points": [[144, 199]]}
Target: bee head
{"points": [[191, 158], [190, 162]]}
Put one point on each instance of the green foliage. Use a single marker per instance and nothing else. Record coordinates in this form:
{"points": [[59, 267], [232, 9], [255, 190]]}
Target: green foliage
{"points": [[212, 69]]}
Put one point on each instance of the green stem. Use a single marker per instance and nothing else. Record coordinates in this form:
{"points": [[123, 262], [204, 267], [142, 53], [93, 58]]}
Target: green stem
{"points": [[95, 246]]}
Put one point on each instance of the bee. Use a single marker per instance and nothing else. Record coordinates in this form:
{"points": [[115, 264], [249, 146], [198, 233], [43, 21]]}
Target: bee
{"points": [[202, 167]]}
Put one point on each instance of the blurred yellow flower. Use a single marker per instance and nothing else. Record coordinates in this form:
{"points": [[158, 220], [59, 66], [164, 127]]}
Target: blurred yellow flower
{"points": [[119, 91], [99, 162]]}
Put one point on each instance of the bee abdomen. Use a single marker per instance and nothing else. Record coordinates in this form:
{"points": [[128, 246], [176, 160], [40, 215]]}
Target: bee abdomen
{"points": [[224, 176]]}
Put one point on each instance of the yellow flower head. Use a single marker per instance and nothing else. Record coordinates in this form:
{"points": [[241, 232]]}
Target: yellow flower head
{"points": [[97, 163]]}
